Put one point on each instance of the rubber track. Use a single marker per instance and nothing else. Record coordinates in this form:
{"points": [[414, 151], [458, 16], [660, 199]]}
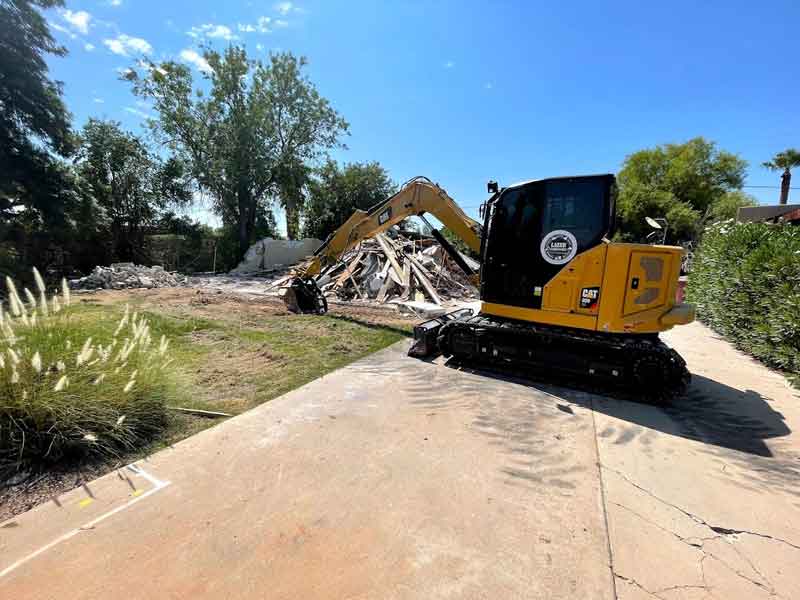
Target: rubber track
{"points": [[632, 352]]}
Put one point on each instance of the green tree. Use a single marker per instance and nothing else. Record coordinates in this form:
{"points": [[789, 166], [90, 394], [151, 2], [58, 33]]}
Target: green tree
{"points": [[784, 161], [256, 122], [33, 118], [291, 179], [680, 182], [458, 243], [41, 205], [729, 204], [335, 192], [129, 183]]}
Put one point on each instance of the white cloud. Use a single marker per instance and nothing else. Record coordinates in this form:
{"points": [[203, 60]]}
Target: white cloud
{"points": [[260, 47], [284, 8], [281, 23], [191, 56], [246, 28], [115, 2], [489, 85], [124, 44], [263, 24], [62, 29], [139, 113], [99, 100], [88, 47], [78, 20], [449, 64], [210, 30], [220, 31]]}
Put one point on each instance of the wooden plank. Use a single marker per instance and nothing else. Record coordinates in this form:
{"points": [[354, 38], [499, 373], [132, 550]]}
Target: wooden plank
{"points": [[358, 289], [390, 253], [423, 279], [348, 272], [388, 282], [406, 284]]}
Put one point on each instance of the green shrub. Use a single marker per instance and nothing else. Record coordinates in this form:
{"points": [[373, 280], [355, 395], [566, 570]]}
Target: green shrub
{"points": [[745, 282], [75, 383]]}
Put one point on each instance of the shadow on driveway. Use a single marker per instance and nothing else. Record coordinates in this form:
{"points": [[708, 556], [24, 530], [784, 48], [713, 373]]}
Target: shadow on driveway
{"points": [[711, 412]]}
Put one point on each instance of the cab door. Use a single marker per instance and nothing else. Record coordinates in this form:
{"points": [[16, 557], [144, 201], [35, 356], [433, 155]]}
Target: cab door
{"points": [[535, 229]]}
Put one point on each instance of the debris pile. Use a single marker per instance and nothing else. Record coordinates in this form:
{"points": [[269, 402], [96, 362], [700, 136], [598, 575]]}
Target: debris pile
{"points": [[417, 275], [127, 275]]}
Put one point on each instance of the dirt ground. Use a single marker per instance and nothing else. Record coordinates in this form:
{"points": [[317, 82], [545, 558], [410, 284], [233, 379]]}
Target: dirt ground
{"points": [[248, 308]]}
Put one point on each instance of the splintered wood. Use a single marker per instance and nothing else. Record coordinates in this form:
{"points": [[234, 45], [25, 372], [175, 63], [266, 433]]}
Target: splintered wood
{"points": [[393, 268]]}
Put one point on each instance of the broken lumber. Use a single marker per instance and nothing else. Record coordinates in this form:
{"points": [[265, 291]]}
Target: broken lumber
{"points": [[423, 279], [390, 254]]}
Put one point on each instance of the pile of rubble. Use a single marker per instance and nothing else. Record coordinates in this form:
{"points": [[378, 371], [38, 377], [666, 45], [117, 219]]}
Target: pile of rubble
{"points": [[416, 275], [127, 275]]}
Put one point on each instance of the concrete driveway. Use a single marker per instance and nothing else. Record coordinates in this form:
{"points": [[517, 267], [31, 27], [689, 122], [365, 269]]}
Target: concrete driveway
{"points": [[395, 478]]}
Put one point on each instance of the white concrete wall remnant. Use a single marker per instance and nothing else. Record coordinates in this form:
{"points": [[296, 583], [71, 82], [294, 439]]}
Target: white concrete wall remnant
{"points": [[269, 254]]}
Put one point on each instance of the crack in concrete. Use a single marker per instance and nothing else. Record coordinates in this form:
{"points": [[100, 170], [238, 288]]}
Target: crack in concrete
{"points": [[655, 594], [637, 584], [699, 544], [697, 519]]}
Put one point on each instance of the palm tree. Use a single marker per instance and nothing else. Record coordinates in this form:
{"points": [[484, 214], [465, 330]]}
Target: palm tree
{"points": [[784, 161]]}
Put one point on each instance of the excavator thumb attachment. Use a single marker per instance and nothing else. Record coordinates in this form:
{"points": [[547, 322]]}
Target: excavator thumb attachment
{"points": [[302, 295]]}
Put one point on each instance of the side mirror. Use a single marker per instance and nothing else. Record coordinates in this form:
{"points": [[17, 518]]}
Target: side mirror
{"points": [[491, 187]]}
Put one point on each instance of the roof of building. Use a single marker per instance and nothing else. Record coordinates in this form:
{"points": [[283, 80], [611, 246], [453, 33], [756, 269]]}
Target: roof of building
{"points": [[754, 214]]}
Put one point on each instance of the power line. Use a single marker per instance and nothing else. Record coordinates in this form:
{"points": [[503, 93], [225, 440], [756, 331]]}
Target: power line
{"points": [[769, 187]]}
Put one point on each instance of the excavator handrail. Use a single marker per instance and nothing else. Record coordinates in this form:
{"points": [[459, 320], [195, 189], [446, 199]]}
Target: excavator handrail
{"points": [[419, 195]]}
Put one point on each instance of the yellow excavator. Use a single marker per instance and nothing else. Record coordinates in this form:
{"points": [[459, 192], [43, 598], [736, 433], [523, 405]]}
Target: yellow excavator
{"points": [[556, 293]]}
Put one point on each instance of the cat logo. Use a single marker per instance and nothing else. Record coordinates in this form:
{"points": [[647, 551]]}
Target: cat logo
{"points": [[589, 297]]}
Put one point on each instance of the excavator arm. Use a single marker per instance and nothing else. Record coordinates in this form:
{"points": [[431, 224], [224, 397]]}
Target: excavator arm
{"points": [[415, 198]]}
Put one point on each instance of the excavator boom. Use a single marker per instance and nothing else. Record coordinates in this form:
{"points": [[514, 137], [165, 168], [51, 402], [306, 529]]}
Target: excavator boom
{"points": [[415, 198]]}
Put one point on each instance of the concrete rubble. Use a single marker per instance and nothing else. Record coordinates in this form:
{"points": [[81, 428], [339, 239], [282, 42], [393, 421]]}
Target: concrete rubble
{"points": [[120, 276]]}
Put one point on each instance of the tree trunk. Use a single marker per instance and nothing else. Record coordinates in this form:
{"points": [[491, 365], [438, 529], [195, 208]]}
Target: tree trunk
{"points": [[244, 230], [786, 180], [292, 221]]}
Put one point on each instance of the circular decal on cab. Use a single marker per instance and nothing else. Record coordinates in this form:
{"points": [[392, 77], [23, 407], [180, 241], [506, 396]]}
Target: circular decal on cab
{"points": [[559, 247]]}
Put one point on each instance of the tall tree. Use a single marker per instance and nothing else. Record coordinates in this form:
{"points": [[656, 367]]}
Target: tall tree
{"points": [[131, 185], [33, 119], [335, 192], [680, 182], [784, 161], [255, 123]]}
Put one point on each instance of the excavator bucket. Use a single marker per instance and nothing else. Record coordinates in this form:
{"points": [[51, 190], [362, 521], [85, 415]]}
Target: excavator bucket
{"points": [[302, 295]]}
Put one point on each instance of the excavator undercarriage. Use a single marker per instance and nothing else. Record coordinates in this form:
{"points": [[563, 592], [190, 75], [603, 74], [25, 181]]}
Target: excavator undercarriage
{"points": [[642, 365]]}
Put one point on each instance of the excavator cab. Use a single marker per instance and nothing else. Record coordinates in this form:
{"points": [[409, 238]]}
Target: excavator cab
{"points": [[535, 228]]}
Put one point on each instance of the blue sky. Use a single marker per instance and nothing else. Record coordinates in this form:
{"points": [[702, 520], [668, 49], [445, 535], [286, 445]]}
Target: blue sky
{"points": [[464, 91]]}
